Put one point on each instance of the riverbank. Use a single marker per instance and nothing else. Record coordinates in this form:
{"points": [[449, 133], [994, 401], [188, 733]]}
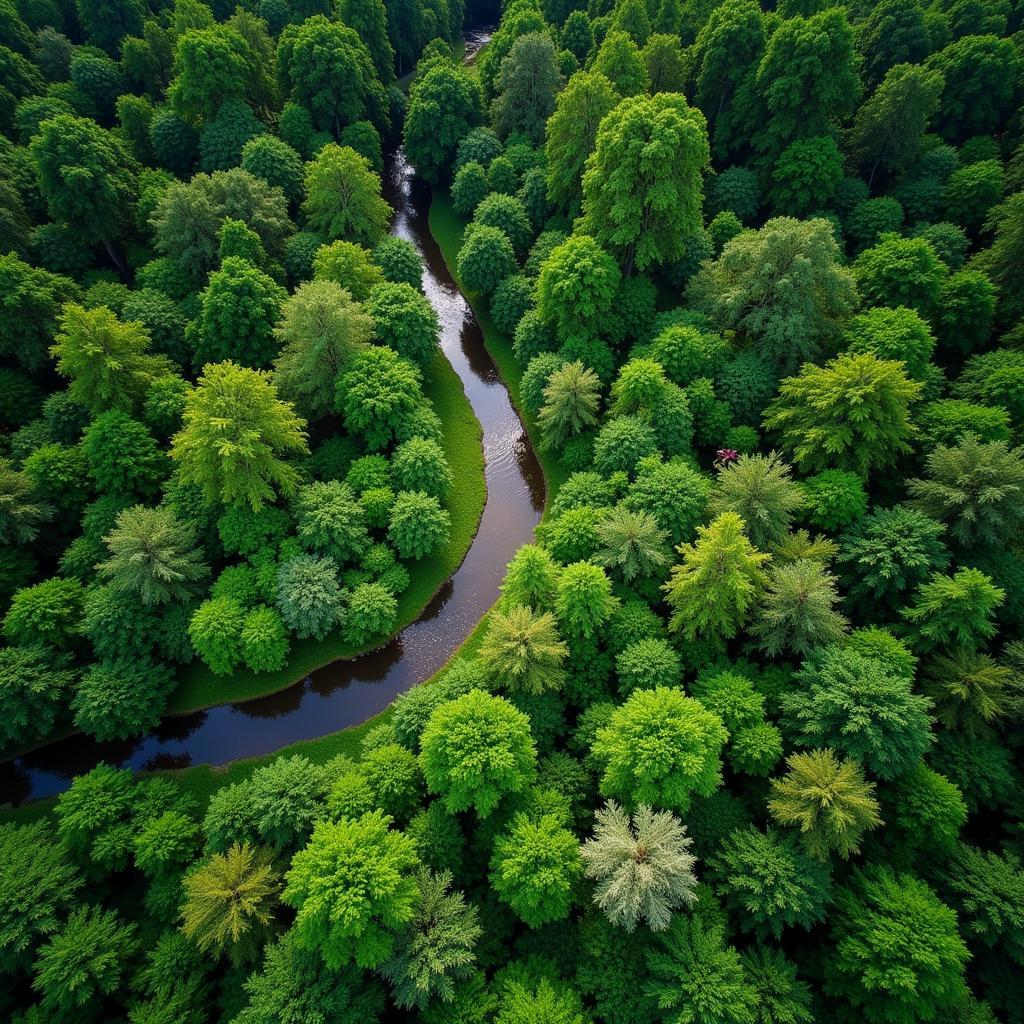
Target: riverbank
{"points": [[448, 227]]}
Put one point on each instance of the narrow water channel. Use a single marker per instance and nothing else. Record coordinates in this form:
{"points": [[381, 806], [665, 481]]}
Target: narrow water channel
{"points": [[349, 692]]}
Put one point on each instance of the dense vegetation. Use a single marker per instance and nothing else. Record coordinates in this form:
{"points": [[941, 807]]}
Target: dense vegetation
{"points": [[740, 743]]}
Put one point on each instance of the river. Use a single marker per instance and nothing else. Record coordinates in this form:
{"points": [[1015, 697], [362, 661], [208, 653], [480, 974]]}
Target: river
{"points": [[347, 693]]}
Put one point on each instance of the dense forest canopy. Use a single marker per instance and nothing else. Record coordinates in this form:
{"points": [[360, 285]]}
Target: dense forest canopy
{"points": [[741, 742]]}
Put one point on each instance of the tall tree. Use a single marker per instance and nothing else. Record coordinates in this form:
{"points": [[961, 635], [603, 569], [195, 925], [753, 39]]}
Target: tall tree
{"points": [[527, 83], [370, 20], [888, 130], [643, 188], [438, 949], [327, 68], [714, 589], [353, 890], [343, 197], [107, 361], [444, 104], [524, 650], [571, 134], [88, 179]]}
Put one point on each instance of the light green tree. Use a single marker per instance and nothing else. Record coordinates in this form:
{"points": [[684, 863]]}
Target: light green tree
{"points": [[236, 435], [343, 197], [828, 799], [524, 651], [713, 590], [354, 890], [853, 413], [230, 901], [475, 749], [660, 748]]}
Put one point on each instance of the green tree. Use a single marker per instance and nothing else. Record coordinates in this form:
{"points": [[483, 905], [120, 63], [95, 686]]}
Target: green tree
{"points": [[642, 866], [806, 175], [571, 134], [760, 489], [898, 958], [370, 20], [38, 885], [806, 81], [976, 489], [527, 83], [853, 413], [32, 300], [215, 632], [277, 163], [212, 65], [420, 464], [320, 330], [238, 311], [293, 983], [235, 437], [584, 602], [666, 65], [889, 552], [576, 287], [343, 197], [660, 748], [988, 886], [46, 614], [122, 698], [572, 397], [954, 609], [444, 104], [644, 207], [696, 978], [972, 691], [353, 889], [325, 66], [859, 707], [531, 578], [828, 799], [782, 288], [371, 613], [229, 903], [893, 32], [87, 178], [417, 525], [21, 511], [309, 596], [900, 272], [485, 259], [107, 22], [797, 610], [264, 640], [889, 128], [34, 688], [84, 961], [770, 883], [980, 72], [107, 361], [524, 650], [404, 319], [712, 592], [123, 456], [438, 949], [330, 521], [632, 544], [618, 59], [476, 749], [535, 867]]}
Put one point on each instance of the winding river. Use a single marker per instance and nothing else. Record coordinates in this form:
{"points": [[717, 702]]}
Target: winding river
{"points": [[347, 693]]}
